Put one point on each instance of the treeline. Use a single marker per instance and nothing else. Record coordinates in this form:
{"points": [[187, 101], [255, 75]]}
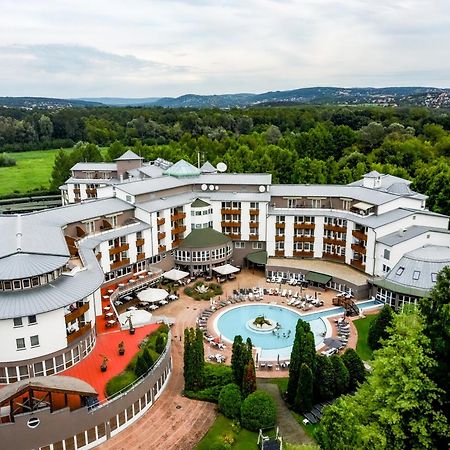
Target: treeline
{"points": [[295, 144]]}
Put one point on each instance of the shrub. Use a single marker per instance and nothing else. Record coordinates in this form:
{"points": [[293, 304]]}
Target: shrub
{"points": [[230, 401], [141, 366], [258, 411], [147, 358], [6, 161], [160, 343], [119, 382]]}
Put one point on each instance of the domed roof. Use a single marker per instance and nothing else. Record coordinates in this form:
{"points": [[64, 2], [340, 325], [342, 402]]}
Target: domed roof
{"points": [[182, 169]]}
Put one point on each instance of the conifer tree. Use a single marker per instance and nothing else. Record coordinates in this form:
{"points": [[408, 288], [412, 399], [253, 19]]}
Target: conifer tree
{"points": [[249, 380], [304, 395]]}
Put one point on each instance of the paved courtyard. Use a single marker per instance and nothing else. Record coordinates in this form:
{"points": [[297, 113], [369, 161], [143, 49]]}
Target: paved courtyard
{"points": [[178, 423]]}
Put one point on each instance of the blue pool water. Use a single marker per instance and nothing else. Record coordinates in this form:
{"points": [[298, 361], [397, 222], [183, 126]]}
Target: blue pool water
{"points": [[234, 322]]}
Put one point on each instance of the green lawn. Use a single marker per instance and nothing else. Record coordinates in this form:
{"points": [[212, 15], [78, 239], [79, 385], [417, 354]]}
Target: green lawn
{"points": [[32, 172], [224, 431], [362, 347]]}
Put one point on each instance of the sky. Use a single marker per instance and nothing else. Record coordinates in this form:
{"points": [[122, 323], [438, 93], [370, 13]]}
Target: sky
{"points": [[152, 48]]}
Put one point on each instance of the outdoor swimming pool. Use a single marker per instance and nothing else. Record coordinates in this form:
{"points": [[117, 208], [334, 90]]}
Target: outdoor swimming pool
{"points": [[274, 343]]}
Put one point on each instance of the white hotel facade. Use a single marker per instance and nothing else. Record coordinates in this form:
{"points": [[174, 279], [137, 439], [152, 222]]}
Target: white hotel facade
{"points": [[373, 237]]}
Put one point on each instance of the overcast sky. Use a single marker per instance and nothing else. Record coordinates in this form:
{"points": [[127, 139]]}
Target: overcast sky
{"points": [[151, 48]]}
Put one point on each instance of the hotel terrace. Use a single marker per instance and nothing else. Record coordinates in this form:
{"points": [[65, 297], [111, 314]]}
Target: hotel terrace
{"points": [[133, 218]]}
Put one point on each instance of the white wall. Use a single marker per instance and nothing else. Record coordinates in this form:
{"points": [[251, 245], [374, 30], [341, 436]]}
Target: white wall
{"points": [[50, 327]]}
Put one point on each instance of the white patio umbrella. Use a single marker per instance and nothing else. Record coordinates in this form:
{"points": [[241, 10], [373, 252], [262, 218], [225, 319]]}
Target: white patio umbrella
{"points": [[175, 275], [152, 295], [226, 269]]}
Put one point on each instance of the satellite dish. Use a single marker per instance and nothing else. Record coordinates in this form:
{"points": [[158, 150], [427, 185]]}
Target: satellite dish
{"points": [[222, 167], [217, 187], [211, 187], [204, 187], [262, 188]]}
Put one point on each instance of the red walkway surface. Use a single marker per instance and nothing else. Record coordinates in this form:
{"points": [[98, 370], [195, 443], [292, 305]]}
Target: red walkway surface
{"points": [[107, 344]]}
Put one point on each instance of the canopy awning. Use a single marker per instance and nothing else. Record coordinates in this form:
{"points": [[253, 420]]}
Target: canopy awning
{"points": [[138, 318], [175, 275], [362, 206], [226, 269], [152, 295], [317, 277], [258, 257]]}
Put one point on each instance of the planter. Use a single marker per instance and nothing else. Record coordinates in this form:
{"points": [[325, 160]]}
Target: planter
{"points": [[103, 368], [132, 330], [121, 351]]}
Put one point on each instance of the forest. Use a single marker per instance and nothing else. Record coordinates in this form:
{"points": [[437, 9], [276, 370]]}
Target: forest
{"points": [[307, 144]]}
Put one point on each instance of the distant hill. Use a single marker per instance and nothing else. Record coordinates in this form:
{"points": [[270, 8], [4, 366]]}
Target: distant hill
{"points": [[388, 96], [43, 103], [119, 101]]}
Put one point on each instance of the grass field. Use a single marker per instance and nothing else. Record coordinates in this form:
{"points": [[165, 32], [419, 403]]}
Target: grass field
{"points": [[223, 431], [32, 172], [362, 347]]}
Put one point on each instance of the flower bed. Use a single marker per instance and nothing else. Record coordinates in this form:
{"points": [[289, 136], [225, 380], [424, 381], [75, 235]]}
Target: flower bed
{"points": [[203, 291]]}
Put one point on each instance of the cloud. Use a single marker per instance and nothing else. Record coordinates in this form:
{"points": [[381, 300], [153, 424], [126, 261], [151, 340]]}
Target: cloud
{"points": [[170, 47]]}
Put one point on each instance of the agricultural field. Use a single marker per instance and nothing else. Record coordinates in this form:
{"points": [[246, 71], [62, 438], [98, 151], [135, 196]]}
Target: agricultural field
{"points": [[32, 172]]}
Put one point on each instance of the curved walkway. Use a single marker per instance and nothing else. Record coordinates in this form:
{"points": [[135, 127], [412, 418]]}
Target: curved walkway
{"points": [[173, 422], [291, 431]]}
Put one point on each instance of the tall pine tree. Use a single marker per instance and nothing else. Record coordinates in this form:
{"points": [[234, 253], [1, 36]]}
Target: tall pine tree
{"points": [[304, 396]]}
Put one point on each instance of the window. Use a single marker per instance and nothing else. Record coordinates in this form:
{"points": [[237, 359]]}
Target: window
{"points": [[128, 198], [18, 322], [387, 254], [90, 226], [32, 320], [26, 283], [434, 277], [416, 275], [34, 340], [386, 268], [399, 271], [257, 245], [20, 343], [239, 245]]}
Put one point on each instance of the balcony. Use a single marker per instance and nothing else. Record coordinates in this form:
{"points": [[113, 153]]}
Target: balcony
{"points": [[140, 256], [303, 254], [236, 237], [140, 242], [230, 211], [304, 226], [80, 231], [178, 230], [254, 212], [70, 317], [177, 216], [91, 192], [280, 225], [99, 256], [334, 256], [161, 235], [120, 248], [230, 224], [279, 252], [333, 241], [176, 243], [77, 334], [359, 235], [279, 238], [106, 225], [120, 263], [254, 224], [160, 221], [358, 264], [76, 191], [335, 228], [303, 238], [161, 248], [359, 249], [254, 237]]}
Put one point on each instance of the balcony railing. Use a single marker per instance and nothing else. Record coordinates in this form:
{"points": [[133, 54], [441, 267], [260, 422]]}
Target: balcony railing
{"points": [[161, 235], [176, 243], [334, 256], [333, 241], [358, 264], [254, 212], [70, 317], [303, 254], [304, 226], [160, 221], [230, 224], [230, 211], [279, 252], [303, 238], [359, 235], [178, 230], [236, 237], [359, 249], [80, 332], [280, 225], [161, 248], [335, 228], [279, 238], [120, 263], [120, 248], [140, 242], [254, 237], [140, 256], [177, 216]]}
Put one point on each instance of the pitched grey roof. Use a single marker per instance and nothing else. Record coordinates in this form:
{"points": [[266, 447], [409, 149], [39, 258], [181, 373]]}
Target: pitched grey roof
{"points": [[25, 265], [166, 202], [373, 174], [407, 234], [208, 168], [95, 166], [127, 156], [151, 171], [199, 203], [236, 178], [181, 169], [68, 288], [153, 185], [415, 269]]}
